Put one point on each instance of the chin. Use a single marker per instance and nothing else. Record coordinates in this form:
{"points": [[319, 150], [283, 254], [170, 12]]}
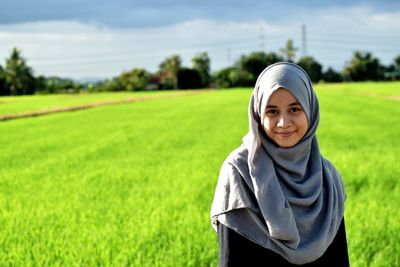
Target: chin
{"points": [[286, 144]]}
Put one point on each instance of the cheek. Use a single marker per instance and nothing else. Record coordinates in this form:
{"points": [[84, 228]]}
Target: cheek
{"points": [[304, 124], [267, 124]]}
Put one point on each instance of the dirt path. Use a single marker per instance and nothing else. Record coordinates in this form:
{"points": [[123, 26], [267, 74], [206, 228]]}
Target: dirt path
{"points": [[99, 104], [377, 95]]}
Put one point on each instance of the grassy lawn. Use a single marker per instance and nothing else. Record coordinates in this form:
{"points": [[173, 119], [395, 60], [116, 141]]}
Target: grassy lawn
{"points": [[132, 185], [37, 103]]}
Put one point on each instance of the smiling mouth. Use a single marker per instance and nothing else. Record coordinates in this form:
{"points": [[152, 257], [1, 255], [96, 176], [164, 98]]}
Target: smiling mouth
{"points": [[285, 134]]}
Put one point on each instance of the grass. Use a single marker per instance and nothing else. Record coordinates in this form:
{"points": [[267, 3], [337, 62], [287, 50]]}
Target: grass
{"points": [[132, 185], [13, 105], [359, 132]]}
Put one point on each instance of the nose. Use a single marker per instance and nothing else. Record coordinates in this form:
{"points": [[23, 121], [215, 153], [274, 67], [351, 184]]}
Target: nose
{"points": [[283, 122]]}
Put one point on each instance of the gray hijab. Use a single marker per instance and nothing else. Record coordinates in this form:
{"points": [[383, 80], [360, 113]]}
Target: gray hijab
{"points": [[288, 200]]}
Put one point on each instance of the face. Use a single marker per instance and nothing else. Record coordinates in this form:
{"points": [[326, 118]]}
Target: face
{"points": [[284, 121]]}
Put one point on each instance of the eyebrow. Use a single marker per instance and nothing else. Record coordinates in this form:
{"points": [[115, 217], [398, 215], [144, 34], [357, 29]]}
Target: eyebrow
{"points": [[292, 104]]}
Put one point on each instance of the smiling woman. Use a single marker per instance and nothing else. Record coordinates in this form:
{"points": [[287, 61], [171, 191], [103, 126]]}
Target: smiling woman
{"points": [[284, 121], [278, 201]]}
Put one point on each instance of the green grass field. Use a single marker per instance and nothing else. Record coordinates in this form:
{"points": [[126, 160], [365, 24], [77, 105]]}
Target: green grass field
{"points": [[28, 104], [132, 185]]}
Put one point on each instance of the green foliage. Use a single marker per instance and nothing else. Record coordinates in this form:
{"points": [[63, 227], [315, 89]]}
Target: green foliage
{"points": [[397, 62], [129, 185], [392, 72], [362, 67], [246, 70], [255, 62], [201, 63], [19, 76], [112, 85], [169, 69], [312, 67], [330, 75], [221, 77], [289, 51], [55, 84], [135, 80], [232, 77], [3, 85], [241, 78], [40, 84], [189, 79]]}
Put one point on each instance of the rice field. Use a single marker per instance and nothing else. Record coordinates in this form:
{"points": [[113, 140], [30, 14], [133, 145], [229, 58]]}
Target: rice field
{"points": [[132, 184]]}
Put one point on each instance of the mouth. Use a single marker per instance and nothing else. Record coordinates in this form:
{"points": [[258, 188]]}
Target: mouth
{"points": [[285, 134]]}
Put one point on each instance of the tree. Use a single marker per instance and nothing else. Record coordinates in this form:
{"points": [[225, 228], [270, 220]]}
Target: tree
{"points": [[241, 78], [221, 77], [170, 68], [392, 72], [19, 77], [272, 58], [363, 66], [397, 62], [201, 63], [312, 67], [113, 85], [232, 77], [289, 51], [330, 75], [56, 84], [135, 80], [255, 62], [40, 84], [3, 86], [189, 79]]}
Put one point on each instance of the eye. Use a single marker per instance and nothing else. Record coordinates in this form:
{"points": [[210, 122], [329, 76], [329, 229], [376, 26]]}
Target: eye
{"points": [[295, 109], [272, 111]]}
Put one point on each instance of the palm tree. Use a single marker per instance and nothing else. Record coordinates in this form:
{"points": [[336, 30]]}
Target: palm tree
{"points": [[289, 51], [18, 75], [201, 63], [170, 67]]}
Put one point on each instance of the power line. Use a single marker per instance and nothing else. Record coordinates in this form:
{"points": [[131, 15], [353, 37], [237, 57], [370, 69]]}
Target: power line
{"points": [[244, 43], [262, 39], [330, 42], [228, 54], [303, 40]]}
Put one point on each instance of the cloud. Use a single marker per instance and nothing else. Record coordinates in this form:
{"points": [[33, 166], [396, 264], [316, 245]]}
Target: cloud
{"points": [[333, 34], [71, 48], [142, 13]]}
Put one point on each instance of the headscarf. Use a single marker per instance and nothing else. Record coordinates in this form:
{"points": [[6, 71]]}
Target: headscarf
{"points": [[288, 200]]}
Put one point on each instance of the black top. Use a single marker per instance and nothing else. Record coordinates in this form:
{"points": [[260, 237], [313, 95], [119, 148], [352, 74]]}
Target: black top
{"points": [[236, 250]]}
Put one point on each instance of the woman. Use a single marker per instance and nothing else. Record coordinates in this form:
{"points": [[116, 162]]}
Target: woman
{"points": [[278, 202]]}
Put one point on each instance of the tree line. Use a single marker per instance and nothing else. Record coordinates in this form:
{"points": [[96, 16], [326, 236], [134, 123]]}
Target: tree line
{"points": [[17, 78]]}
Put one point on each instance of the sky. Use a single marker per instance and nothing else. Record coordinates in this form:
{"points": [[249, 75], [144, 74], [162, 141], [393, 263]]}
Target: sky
{"points": [[99, 39]]}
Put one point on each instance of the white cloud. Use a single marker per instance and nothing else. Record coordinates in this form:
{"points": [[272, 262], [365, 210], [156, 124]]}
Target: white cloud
{"points": [[353, 20], [74, 49], [334, 34]]}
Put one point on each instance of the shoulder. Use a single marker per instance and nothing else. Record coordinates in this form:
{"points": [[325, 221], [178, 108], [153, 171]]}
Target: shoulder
{"points": [[327, 164], [234, 167], [237, 160], [235, 171], [330, 167], [234, 188], [335, 175]]}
